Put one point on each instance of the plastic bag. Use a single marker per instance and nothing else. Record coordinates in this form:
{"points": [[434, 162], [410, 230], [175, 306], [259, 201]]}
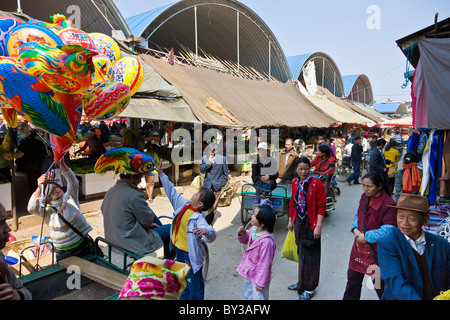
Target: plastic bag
{"points": [[289, 250], [443, 296], [392, 172]]}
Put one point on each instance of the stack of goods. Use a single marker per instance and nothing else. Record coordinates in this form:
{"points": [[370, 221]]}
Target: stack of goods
{"points": [[438, 217]]}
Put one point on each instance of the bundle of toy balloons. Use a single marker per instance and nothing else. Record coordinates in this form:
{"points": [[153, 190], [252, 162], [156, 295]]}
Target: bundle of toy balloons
{"points": [[51, 72]]}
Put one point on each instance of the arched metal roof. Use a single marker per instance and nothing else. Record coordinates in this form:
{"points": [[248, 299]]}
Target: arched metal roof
{"points": [[88, 15], [223, 29], [327, 71], [358, 88]]}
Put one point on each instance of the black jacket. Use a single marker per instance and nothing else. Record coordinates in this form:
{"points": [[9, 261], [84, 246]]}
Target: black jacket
{"points": [[357, 151], [377, 162]]}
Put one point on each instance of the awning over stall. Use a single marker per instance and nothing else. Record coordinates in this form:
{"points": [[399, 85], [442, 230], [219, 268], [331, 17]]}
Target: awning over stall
{"points": [[165, 110], [338, 113], [351, 106], [222, 99]]}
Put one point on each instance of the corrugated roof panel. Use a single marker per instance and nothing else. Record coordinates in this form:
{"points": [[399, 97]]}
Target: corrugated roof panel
{"points": [[332, 79], [173, 27], [358, 88], [387, 107], [296, 63], [139, 22], [348, 82], [94, 15]]}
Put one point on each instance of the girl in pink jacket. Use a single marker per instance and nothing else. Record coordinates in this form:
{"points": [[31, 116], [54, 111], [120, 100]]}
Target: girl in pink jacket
{"points": [[256, 264]]}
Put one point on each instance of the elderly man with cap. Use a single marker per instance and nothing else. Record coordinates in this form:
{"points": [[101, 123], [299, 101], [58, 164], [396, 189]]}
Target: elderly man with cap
{"points": [[264, 170], [414, 264], [128, 220]]}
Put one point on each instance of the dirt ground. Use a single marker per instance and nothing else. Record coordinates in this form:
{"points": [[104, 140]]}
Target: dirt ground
{"points": [[223, 282]]}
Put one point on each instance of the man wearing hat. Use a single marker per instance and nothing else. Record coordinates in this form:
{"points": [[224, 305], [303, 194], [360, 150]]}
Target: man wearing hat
{"points": [[414, 264]]}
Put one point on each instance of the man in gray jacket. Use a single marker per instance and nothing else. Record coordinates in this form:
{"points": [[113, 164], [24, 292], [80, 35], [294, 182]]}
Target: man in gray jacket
{"points": [[129, 222]]}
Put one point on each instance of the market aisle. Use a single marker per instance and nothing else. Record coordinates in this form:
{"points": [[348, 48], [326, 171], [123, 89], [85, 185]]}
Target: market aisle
{"points": [[224, 283]]}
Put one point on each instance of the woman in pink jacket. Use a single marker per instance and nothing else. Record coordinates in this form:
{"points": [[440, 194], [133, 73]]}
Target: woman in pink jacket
{"points": [[256, 264]]}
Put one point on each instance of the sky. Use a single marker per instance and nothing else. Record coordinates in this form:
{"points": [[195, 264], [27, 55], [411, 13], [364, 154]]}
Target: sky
{"points": [[359, 35]]}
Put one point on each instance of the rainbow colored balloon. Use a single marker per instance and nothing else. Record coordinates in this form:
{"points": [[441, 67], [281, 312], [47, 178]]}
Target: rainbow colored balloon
{"points": [[125, 160], [10, 116], [129, 71], [51, 72], [66, 69], [32, 31], [33, 100], [102, 66], [106, 100], [6, 25], [107, 46], [72, 36]]}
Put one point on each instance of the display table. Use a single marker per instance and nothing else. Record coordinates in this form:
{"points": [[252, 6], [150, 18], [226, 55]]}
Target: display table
{"points": [[5, 197], [96, 185]]}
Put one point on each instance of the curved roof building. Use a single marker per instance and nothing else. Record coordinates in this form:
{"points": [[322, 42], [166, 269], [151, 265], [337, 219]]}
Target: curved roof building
{"points": [[358, 88], [90, 16], [327, 71], [224, 30]]}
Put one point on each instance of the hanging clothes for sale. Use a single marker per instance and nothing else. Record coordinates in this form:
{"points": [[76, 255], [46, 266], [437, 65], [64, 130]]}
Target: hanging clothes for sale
{"points": [[424, 187], [436, 142], [422, 142], [431, 84], [413, 142]]}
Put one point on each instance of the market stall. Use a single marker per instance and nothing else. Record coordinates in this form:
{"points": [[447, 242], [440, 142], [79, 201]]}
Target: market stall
{"points": [[428, 51]]}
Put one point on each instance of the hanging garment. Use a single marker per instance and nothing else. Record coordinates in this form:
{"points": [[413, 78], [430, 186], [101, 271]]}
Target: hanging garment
{"points": [[434, 67], [419, 102], [425, 168]]}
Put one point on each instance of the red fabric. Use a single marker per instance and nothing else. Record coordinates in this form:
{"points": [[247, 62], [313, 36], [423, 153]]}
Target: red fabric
{"points": [[411, 182], [325, 166], [180, 215], [413, 102], [316, 201]]}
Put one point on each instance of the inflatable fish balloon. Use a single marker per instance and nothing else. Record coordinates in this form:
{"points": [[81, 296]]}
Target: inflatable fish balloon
{"points": [[66, 69], [125, 160]]}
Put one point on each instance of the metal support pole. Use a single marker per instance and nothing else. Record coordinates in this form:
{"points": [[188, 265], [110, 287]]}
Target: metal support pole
{"points": [[323, 72], [334, 84], [237, 37], [196, 35], [270, 58], [19, 7]]}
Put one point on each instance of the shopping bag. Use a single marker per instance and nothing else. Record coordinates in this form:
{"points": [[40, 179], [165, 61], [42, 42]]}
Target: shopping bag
{"points": [[443, 296], [289, 250], [392, 172]]}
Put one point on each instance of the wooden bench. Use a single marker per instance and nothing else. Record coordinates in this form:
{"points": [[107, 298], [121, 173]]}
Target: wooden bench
{"points": [[102, 275]]}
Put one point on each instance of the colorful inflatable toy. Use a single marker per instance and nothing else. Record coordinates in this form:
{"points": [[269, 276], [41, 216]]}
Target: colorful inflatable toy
{"points": [[51, 72], [125, 160], [129, 71]]}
